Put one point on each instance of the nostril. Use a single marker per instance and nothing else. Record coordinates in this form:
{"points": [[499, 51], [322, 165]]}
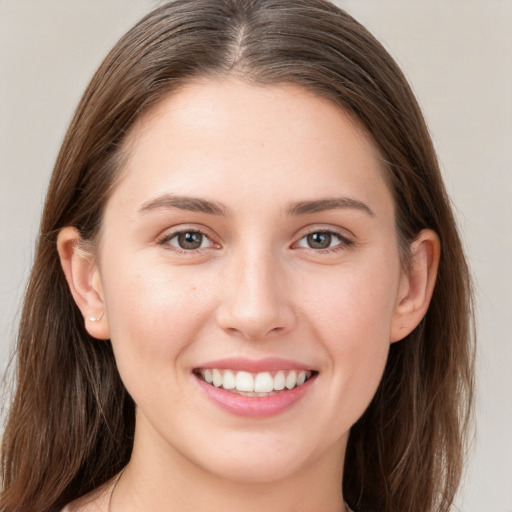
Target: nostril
{"points": [[256, 334], [258, 323]]}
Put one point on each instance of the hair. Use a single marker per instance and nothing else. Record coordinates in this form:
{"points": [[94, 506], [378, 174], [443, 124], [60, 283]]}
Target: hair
{"points": [[71, 422]]}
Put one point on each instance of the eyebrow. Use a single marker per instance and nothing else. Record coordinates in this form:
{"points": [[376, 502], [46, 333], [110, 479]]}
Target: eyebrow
{"points": [[197, 204], [188, 203], [323, 205]]}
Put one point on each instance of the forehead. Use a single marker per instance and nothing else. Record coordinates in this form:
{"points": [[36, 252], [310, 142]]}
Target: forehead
{"points": [[246, 107], [227, 138]]}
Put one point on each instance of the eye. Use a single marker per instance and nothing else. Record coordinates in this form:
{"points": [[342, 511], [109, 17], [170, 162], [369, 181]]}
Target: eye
{"points": [[320, 240], [188, 240]]}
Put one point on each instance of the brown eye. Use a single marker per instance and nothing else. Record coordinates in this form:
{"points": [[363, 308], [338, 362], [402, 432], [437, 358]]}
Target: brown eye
{"points": [[321, 240], [189, 240]]}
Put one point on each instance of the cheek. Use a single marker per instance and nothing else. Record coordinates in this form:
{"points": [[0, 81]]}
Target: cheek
{"points": [[352, 313], [355, 304], [153, 314]]}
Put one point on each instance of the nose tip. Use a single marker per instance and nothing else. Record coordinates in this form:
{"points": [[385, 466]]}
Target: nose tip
{"points": [[256, 306], [255, 322]]}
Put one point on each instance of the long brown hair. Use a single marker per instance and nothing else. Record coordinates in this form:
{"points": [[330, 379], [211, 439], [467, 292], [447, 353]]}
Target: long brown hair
{"points": [[71, 422]]}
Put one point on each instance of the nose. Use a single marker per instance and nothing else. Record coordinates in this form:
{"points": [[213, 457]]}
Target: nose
{"points": [[256, 300]]}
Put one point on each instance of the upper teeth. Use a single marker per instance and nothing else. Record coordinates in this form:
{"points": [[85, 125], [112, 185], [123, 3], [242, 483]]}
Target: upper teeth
{"points": [[263, 382]]}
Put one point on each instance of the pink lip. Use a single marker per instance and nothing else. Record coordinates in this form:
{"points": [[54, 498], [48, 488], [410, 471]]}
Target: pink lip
{"points": [[248, 406], [267, 364]]}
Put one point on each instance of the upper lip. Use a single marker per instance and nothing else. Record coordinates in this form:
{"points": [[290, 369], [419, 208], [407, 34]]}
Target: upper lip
{"points": [[255, 365]]}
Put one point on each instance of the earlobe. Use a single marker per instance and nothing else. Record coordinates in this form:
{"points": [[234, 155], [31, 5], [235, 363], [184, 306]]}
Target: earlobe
{"points": [[417, 284], [84, 281]]}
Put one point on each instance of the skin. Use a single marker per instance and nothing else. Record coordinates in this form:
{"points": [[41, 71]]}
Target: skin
{"points": [[254, 289]]}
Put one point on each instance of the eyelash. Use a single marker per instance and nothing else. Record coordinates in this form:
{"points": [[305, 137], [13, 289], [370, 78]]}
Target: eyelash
{"points": [[343, 241], [166, 239]]}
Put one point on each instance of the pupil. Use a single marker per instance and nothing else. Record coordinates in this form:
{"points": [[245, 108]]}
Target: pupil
{"points": [[190, 240], [319, 240]]}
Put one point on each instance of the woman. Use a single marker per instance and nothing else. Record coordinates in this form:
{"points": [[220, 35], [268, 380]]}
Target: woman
{"points": [[249, 290]]}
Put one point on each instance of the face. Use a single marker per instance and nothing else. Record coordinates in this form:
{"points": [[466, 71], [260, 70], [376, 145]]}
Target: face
{"points": [[250, 243]]}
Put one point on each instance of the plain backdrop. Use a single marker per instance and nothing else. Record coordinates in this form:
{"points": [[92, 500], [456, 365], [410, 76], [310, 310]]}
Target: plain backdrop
{"points": [[458, 57]]}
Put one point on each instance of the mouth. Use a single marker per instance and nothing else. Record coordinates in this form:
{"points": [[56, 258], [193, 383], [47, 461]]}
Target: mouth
{"points": [[260, 384]]}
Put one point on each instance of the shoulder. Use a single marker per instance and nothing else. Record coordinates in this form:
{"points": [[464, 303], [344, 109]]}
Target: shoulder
{"points": [[95, 501]]}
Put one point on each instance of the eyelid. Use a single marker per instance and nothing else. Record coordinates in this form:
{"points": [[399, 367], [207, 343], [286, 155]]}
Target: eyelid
{"points": [[174, 231], [347, 239]]}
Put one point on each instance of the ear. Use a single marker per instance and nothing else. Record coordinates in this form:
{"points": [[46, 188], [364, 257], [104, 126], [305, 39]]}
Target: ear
{"points": [[84, 281], [416, 285]]}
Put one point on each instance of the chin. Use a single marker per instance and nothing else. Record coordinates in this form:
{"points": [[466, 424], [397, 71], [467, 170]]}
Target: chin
{"points": [[263, 459], [258, 470]]}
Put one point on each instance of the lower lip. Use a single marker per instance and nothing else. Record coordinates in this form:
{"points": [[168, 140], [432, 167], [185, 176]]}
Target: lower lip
{"points": [[256, 406]]}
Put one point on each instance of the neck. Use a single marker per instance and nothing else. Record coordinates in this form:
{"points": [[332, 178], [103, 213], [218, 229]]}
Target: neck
{"points": [[161, 478]]}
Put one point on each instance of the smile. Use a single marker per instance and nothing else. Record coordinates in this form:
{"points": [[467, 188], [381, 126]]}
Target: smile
{"points": [[261, 384]]}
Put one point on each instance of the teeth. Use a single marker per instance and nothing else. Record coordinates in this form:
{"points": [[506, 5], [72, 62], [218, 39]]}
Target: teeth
{"points": [[264, 383], [259, 384], [244, 382], [229, 381], [217, 378], [279, 380], [291, 380]]}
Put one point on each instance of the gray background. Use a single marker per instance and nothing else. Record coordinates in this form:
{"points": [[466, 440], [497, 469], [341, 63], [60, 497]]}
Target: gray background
{"points": [[458, 57]]}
